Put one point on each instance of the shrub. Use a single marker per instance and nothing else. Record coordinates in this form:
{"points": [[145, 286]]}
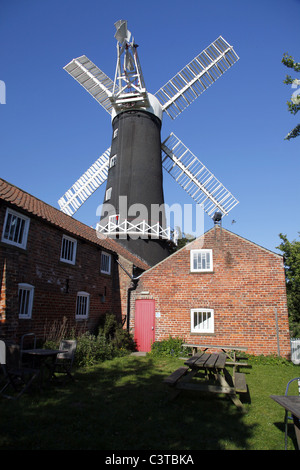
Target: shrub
{"points": [[110, 341], [92, 349], [167, 347], [121, 339], [271, 359]]}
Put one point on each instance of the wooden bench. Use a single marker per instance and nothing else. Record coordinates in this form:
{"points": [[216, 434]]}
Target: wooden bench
{"points": [[175, 376], [240, 382]]}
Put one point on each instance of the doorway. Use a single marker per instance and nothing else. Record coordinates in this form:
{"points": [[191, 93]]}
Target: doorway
{"points": [[144, 329]]}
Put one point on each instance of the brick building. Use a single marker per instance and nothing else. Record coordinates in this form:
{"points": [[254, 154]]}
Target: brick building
{"points": [[53, 267], [220, 289]]}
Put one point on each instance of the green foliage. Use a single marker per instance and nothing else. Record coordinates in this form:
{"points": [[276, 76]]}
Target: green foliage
{"points": [[167, 347], [294, 103], [183, 239], [288, 61], [92, 349], [294, 133], [108, 325], [110, 341], [122, 341], [271, 360], [291, 253]]}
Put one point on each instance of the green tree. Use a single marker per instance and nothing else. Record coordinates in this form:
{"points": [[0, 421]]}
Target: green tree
{"points": [[294, 103], [183, 239], [291, 253]]}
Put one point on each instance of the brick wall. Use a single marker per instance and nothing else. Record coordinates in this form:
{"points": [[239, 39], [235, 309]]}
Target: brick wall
{"points": [[246, 286], [244, 289], [55, 282], [125, 270]]}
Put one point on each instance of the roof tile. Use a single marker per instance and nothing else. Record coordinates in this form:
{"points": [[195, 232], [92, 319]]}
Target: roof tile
{"points": [[23, 200]]}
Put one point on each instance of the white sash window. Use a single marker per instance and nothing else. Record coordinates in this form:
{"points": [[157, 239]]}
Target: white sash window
{"points": [[202, 320]]}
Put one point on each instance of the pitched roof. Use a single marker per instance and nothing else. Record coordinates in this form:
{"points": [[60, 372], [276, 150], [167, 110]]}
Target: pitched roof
{"points": [[255, 244], [195, 241], [32, 205]]}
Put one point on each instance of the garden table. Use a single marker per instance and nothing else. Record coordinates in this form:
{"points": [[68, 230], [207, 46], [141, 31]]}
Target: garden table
{"points": [[216, 379], [291, 404], [230, 351], [40, 356]]}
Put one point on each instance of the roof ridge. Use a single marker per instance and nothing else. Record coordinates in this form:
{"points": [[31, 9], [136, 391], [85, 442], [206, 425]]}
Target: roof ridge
{"points": [[253, 243], [187, 247], [35, 206]]}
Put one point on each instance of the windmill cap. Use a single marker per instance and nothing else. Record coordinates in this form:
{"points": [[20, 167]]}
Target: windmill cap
{"points": [[154, 108]]}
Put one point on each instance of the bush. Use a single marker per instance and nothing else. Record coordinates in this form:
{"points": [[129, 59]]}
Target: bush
{"points": [[92, 349], [269, 360], [121, 339], [110, 341], [167, 347]]}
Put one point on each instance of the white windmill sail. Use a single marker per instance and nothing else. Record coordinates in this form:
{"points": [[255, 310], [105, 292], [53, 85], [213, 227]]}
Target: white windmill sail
{"points": [[99, 85], [195, 178], [86, 185], [128, 89], [196, 77]]}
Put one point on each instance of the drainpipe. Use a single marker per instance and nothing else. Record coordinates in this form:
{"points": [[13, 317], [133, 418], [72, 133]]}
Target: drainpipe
{"points": [[277, 331], [135, 281]]}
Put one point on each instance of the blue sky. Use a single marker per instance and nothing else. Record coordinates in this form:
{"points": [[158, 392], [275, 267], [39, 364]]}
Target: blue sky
{"points": [[52, 130]]}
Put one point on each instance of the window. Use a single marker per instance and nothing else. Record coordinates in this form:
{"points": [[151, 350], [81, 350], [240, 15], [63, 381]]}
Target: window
{"points": [[15, 229], [113, 161], [68, 250], [25, 293], [115, 133], [108, 194], [202, 320], [201, 260], [82, 305], [105, 263]]}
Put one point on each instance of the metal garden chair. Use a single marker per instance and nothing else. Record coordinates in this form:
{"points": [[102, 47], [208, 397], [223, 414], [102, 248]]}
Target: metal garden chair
{"points": [[64, 360], [287, 414], [28, 341], [16, 379]]}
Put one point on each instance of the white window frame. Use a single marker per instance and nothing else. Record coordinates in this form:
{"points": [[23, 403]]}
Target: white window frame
{"points": [[26, 304], [69, 240], [105, 266], [201, 252], [82, 305], [205, 325], [108, 194], [115, 133], [17, 239], [113, 160]]}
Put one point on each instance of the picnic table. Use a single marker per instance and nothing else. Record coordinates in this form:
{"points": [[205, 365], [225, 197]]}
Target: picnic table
{"points": [[210, 367], [230, 351], [292, 404], [41, 357]]}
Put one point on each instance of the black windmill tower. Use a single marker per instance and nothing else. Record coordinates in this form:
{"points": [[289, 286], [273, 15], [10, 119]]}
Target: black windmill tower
{"points": [[133, 207]]}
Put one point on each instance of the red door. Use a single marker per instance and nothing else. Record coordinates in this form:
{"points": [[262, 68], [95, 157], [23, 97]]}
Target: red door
{"points": [[144, 328]]}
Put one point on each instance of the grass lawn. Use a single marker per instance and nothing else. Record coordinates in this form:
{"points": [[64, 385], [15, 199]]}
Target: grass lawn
{"points": [[122, 404]]}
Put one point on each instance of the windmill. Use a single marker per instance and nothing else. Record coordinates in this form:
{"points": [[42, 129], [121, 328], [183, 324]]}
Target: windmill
{"points": [[132, 166]]}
